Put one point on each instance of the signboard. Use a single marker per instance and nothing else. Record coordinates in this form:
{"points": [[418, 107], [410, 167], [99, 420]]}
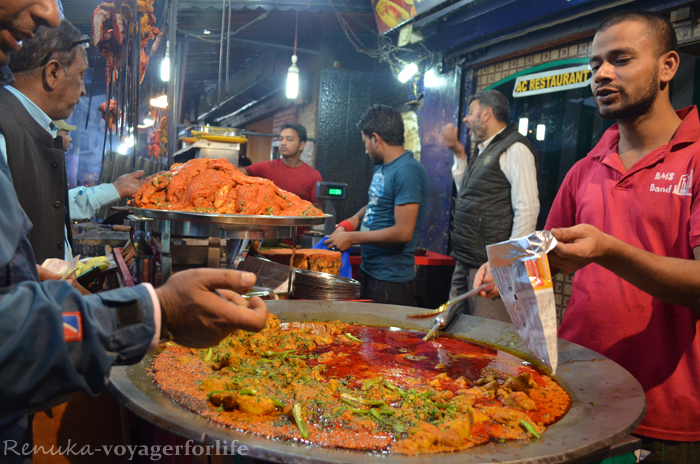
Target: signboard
{"points": [[552, 81]]}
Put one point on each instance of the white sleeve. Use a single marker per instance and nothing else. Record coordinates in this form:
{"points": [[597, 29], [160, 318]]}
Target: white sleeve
{"points": [[518, 165], [85, 202], [458, 167]]}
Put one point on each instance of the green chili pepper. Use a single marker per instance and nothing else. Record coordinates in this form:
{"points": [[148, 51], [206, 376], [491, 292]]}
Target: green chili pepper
{"points": [[208, 355], [354, 339], [248, 391], [359, 411], [345, 396], [277, 403], [270, 354], [438, 405], [348, 402], [528, 426], [394, 388], [299, 419], [375, 414]]}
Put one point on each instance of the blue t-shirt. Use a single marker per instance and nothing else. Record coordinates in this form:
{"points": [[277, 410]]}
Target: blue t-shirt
{"points": [[401, 182]]}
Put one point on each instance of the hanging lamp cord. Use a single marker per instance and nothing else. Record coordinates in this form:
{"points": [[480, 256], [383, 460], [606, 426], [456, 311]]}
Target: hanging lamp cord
{"points": [[296, 26]]}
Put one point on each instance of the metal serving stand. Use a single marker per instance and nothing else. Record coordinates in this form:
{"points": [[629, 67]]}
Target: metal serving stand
{"points": [[607, 401], [221, 231]]}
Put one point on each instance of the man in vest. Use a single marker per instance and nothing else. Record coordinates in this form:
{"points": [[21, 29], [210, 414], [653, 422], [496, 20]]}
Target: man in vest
{"points": [[48, 72], [497, 193]]}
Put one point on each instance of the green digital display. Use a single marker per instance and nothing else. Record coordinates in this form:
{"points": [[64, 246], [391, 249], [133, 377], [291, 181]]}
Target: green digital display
{"points": [[331, 191]]}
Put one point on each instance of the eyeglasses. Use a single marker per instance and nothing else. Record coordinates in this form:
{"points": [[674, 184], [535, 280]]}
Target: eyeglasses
{"points": [[83, 41]]}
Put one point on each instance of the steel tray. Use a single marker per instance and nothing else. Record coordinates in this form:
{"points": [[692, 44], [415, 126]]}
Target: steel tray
{"points": [[231, 219]]}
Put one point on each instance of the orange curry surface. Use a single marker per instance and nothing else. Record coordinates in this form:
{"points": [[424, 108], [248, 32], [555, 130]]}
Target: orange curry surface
{"points": [[364, 388], [216, 186]]}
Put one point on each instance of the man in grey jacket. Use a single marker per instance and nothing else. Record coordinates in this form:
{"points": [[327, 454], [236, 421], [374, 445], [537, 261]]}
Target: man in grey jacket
{"points": [[497, 195]]}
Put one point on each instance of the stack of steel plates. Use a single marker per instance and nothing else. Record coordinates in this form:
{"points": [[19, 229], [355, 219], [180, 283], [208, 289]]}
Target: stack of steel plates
{"points": [[312, 285]]}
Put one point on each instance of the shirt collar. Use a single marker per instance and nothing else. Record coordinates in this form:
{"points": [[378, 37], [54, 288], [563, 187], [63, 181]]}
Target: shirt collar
{"points": [[688, 132], [482, 145], [39, 116]]}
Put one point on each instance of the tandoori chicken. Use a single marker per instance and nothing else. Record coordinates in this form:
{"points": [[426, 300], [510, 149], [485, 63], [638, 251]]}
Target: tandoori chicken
{"points": [[215, 186]]}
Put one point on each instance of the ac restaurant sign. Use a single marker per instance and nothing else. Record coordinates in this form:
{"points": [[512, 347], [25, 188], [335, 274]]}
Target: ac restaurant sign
{"points": [[552, 81]]}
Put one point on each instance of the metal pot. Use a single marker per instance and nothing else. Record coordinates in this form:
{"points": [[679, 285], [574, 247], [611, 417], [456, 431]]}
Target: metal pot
{"points": [[607, 402]]}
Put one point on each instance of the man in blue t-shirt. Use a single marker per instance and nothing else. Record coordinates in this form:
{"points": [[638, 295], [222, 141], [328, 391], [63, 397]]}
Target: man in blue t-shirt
{"points": [[389, 224]]}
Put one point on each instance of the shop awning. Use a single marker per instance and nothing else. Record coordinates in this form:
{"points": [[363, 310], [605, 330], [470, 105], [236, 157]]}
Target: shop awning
{"points": [[357, 6]]}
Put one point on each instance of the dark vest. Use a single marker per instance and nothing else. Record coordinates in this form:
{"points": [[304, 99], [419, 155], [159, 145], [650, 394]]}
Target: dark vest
{"points": [[38, 167], [483, 213]]}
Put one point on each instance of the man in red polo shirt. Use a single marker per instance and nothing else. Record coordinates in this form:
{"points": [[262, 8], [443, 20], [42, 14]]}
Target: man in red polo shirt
{"points": [[639, 187], [290, 173]]}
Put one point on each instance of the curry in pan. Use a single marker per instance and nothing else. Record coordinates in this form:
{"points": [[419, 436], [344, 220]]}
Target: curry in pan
{"points": [[362, 388]]}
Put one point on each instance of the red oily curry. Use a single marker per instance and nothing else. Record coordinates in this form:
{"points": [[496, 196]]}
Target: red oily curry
{"points": [[340, 385]]}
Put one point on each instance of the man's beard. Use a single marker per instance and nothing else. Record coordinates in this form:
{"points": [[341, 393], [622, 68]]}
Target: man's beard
{"points": [[633, 110]]}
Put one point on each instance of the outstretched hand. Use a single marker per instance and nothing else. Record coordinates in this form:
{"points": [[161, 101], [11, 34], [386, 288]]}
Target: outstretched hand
{"points": [[128, 184], [578, 246], [200, 318]]}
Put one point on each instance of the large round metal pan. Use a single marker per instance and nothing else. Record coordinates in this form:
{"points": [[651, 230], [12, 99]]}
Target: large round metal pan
{"points": [[232, 219], [608, 403]]}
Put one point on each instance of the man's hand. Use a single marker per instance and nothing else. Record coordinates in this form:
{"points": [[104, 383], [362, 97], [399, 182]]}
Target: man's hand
{"points": [[198, 317], [128, 184], [578, 246], [449, 136], [45, 274], [339, 240], [483, 276]]}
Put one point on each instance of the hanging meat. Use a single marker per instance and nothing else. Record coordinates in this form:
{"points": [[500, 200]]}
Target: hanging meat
{"points": [[109, 115], [109, 26]]}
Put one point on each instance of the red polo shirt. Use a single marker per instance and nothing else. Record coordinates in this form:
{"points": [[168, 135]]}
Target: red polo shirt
{"points": [[652, 206], [300, 181]]}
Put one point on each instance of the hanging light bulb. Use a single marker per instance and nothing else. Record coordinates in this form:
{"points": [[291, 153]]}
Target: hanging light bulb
{"points": [[293, 79], [408, 72], [165, 64], [159, 102], [293, 72]]}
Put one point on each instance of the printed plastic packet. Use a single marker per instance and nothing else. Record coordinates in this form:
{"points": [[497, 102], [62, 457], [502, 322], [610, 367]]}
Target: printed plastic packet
{"points": [[520, 270]]}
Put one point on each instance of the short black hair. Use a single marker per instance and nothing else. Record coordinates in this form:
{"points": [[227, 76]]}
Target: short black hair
{"points": [[656, 26], [298, 128], [385, 121], [47, 43], [496, 101]]}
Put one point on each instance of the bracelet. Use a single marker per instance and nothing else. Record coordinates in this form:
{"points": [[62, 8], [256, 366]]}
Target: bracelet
{"points": [[347, 225]]}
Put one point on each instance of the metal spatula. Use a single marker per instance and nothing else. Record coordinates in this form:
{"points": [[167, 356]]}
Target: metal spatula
{"points": [[443, 320], [444, 306]]}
